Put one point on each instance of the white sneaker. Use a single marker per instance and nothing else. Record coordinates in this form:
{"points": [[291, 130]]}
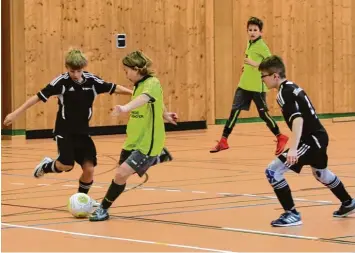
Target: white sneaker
{"points": [[38, 171], [95, 203]]}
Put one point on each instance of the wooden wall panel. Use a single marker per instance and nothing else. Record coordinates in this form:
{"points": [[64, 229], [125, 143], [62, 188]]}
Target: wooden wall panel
{"points": [[171, 32], [224, 69], [210, 62], [344, 56], [13, 65], [6, 60]]}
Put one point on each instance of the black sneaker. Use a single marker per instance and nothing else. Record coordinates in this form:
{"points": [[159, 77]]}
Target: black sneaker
{"points": [[345, 210], [165, 156], [100, 214], [287, 219]]}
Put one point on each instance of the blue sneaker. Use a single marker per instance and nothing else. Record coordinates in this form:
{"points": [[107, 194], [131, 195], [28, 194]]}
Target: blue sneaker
{"points": [[100, 214], [345, 210], [287, 219]]}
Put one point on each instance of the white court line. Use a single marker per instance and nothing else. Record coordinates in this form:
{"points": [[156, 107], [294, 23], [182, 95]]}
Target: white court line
{"points": [[114, 238], [271, 233], [18, 183], [198, 192], [173, 190], [226, 193], [148, 189], [43, 184], [94, 186], [69, 185]]}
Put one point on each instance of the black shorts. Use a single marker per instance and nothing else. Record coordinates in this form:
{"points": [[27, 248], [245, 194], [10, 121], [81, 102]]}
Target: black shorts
{"points": [[243, 98], [75, 148], [137, 160], [311, 152]]}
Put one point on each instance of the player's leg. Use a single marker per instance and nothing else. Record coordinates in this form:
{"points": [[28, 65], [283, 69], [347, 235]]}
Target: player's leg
{"points": [[330, 180], [275, 175], [164, 156], [85, 155], [242, 100], [135, 163], [64, 162], [259, 99]]}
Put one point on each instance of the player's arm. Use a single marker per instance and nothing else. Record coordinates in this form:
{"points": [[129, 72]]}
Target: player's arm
{"points": [[261, 50], [251, 62], [297, 127], [102, 86], [170, 117], [53, 88], [11, 117], [294, 116], [135, 103], [123, 90]]}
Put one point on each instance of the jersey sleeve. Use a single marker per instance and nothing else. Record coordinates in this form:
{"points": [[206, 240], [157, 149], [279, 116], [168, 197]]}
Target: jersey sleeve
{"points": [[100, 85], [55, 87], [290, 106], [264, 51], [152, 88]]}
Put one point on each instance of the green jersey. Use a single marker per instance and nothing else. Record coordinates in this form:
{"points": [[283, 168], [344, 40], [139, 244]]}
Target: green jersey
{"points": [[251, 78], [145, 128]]}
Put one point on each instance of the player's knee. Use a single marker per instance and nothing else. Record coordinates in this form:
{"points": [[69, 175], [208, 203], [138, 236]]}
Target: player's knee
{"points": [[88, 171], [121, 175], [324, 176], [63, 167], [275, 172]]}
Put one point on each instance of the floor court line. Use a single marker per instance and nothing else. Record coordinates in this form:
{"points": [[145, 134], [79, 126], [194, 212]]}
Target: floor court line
{"points": [[221, 193], [115, 238]]}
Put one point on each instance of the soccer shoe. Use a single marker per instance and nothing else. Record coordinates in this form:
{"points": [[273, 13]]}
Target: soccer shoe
{"points": [[38, 171], [345, 210], [281, 143], [165, 156], [287, 219], [221, 145], [99, 214], [95, 203]]}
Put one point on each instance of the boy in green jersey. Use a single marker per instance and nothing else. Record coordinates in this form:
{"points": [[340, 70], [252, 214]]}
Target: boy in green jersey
{"points": [[144, 146], [251, 88]]}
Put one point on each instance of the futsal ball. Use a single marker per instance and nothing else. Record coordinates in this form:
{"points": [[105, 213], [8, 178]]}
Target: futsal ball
{"points": [[80, 205]]}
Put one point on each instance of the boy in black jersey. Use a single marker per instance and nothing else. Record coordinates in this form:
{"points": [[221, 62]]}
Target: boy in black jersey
{"points": [[76, 91], [308, 145]]}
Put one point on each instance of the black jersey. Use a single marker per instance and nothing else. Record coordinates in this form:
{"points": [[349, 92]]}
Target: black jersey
{"points": [[294, 103], [75, 101]]}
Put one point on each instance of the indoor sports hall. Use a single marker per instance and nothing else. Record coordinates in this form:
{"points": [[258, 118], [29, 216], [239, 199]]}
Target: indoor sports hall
{"points": [[200, 201]]}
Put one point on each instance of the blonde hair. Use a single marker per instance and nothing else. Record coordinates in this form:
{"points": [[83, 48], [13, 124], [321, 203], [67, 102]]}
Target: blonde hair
{"points": [[139, 61], [75, 59]]}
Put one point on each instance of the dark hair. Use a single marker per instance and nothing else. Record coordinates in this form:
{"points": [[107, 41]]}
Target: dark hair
{"points": [[255, 21], [273, 64]]}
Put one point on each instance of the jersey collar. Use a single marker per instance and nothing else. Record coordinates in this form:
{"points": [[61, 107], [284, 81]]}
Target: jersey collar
{"points": [[142, 80], [254, 41], [281, 84]]}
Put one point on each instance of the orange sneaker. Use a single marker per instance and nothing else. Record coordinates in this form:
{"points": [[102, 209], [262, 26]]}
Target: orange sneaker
{"points": [[221, 145], [281, 143]]}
